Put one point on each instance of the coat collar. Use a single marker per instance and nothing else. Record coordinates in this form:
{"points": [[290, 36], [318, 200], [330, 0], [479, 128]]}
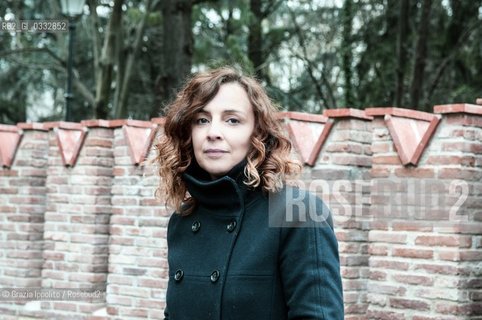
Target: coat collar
{"points": [[227, 192]]}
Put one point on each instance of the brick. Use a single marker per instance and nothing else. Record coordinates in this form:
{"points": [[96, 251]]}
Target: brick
{"points": [[354, 260], [141, 313], [344, 247], [360, 161], [134, 271], [456, 173], [377, 275], [415, 172], [349, 272], [351, 235], [378, 250], [385, 315], [386, 160], [413, 279], [65, 306], [400, 303], [355, 285], [412, 253], [119, 300], [344, 148], [474, 284], [475, 296], [458, 309], [458, 228], [412, 226], [379, 172], [388, 264], [151, 283], [386, 236], [382, 147], [416, 317], [470, 255], [450, 160]]}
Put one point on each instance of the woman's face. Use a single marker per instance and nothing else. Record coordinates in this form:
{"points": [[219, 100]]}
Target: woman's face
{"points": [[221, 132]]}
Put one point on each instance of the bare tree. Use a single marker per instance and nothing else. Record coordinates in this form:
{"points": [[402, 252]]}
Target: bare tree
{"points": [[401, 51], [346, 50], [178, 46], [128, 62], [106, 62], [420, 55], [256, 50]]}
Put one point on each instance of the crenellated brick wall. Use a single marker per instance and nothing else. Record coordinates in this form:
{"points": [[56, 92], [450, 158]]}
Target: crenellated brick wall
{"points": [[77, 210]]}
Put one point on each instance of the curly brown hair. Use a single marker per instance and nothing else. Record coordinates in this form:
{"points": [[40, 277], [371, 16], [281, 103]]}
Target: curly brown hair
{"points": [[268, 161]]}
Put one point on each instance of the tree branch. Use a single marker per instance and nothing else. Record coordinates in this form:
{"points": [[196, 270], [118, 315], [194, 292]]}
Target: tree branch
{"points": [[60, 66], [122, 100], [95, 34], [310, 68], [272, 6], [454, 50]]}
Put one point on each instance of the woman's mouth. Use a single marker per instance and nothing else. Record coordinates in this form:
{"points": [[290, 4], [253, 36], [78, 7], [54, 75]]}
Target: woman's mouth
{"points": [[215, 153]]}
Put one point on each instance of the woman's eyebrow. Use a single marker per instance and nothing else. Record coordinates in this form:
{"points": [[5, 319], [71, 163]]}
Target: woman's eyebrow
{"points": [[224, 111], [232, 111]]}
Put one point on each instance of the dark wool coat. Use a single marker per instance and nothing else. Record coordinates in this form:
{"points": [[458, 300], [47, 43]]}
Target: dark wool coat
{"points": [[231, 260]]}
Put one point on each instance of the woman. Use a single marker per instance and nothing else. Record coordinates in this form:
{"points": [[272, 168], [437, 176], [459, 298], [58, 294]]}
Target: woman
{"points": [[232, 251]]}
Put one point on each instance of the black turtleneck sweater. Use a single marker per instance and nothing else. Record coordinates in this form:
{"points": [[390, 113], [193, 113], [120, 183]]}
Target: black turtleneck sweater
{"points": [[229, 259]]}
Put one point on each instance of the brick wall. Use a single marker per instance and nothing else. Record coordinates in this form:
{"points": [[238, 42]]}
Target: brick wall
{"points": [[78, 211]]}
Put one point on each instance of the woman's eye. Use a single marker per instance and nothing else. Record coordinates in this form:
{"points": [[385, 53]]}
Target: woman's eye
{"points": [[233, 120], [201, 121]]}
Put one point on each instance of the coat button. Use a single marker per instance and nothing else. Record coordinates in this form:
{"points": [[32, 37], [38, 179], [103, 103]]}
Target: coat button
{"points": [[178, 275], [214, 276], [196, 225], [231, 226]]}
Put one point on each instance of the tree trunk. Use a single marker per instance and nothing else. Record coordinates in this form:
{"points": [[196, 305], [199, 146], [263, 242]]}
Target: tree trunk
{"points": [[95, 26], [104, 79], [420, 56], [178, 46], [401, 51], [255, 44], [347, 56]]}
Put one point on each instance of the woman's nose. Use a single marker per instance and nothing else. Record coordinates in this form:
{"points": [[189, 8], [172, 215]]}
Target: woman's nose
{"points": [[214, 131]]}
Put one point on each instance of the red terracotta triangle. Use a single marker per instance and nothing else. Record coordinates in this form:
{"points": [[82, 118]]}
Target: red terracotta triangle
{"points": [[139, 140], [411, 136], [10, 138], [308, 138], [70, 142], [319, 143]]}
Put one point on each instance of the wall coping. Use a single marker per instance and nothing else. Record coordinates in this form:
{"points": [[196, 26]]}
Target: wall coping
{"points": [[32, 126], [63, 125], [103, 123], [347, 113], [301, 116], [159, 120], [459, 108], [401, 112]]}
